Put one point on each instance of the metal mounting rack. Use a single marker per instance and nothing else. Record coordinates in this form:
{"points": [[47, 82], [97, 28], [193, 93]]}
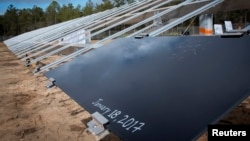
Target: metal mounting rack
{"points": [[48, 41]]}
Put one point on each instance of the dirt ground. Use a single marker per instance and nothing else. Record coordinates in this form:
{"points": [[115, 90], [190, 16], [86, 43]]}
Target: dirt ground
{"points": [[30, 111]]}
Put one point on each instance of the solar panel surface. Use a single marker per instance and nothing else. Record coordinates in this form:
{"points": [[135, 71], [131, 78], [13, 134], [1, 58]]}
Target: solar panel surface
{"points": [[163, 88]]}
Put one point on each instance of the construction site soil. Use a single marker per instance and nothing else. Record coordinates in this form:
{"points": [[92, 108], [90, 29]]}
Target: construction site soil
{"points": [[30, 111]]}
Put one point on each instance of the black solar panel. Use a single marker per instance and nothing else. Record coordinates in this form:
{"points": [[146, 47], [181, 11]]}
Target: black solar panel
{"points": [[164, 88]]}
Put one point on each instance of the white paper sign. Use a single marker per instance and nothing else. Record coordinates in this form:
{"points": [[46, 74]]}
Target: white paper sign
{"points": [[218, 29], [80, 36], [228, 25]]}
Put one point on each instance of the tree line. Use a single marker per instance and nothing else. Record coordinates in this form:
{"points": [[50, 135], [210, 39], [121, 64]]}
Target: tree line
{"points": [[17, 21]]}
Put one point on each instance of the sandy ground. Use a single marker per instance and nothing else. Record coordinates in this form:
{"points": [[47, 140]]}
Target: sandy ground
{"points": [[30, 111]]}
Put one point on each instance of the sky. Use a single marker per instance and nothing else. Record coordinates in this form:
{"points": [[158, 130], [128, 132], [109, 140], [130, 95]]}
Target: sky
{"points": [[20, 4]]}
